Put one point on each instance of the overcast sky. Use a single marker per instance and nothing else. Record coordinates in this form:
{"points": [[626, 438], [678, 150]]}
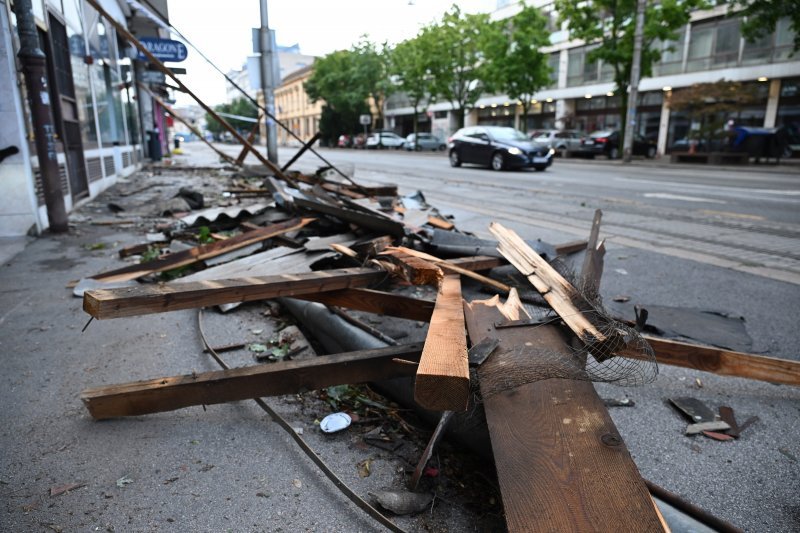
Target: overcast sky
{"points": [[221, 29]]}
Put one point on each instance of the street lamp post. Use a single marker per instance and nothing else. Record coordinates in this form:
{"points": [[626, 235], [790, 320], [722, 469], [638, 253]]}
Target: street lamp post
{"points": [[630, 114], [268, 83]]}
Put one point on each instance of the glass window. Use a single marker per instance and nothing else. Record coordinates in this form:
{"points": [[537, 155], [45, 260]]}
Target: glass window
{"points": [[700, 47], [575, 67], [726, 47], [554, 61]]}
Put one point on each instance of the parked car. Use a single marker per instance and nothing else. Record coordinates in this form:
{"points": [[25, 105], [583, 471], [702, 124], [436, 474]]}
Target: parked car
{"points": [[498, 148], [560, 140], [425, 141], [345, 141], [385, 139], [609, 144]]}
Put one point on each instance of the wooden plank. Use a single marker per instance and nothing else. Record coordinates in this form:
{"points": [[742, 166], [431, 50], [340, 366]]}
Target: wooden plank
{"points": [[360, 218], [205, 251], [161, 298], [442, 382], [411, 267], [557, 291], [561, 463], [454, 265], [440, 223], [284, 377], [571, 247], [377, 302], [725, 362]]}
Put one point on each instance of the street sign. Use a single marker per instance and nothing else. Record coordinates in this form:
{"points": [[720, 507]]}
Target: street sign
{"points": [[164, 49], [151, 76], [365, 119]]}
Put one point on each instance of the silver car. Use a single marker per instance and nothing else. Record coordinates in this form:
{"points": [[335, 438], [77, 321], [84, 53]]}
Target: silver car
{"points": [[425, 141], [561, 141]]}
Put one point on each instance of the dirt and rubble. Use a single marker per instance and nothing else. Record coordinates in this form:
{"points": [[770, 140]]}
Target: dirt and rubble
{"points": [[227, 466]]}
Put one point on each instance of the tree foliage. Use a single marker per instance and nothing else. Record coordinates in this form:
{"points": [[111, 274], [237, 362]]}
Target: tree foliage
{"points": [[458, 67], [762, 16], [372, 69], [411, 71], [241, 107], [611, 24], [514, 63], [710, 105]]}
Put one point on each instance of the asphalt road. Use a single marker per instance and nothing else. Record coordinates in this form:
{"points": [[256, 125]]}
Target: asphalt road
{"points": [[746, 219]]}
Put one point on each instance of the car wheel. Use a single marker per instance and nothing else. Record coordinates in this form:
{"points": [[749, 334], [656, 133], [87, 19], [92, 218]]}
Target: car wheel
{"points": [[613, 153], [442, 148], [455, 160], [540, 168], [498, 161], [651, 152]]}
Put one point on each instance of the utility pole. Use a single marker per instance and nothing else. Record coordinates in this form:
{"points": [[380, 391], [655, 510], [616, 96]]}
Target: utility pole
{"points": [[44, 131], [630, 115], [268, 83]]}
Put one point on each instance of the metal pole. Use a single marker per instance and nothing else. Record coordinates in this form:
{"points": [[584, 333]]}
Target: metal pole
{"points": [[268, 82], [630, 115], [44, 131]]}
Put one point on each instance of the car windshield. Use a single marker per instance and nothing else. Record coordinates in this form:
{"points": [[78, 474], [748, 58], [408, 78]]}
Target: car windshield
{"points": [[507, 134], [544, 137]]}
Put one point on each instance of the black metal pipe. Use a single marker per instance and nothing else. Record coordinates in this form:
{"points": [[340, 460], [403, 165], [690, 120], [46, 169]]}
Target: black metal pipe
{"points": [[44, 132]]}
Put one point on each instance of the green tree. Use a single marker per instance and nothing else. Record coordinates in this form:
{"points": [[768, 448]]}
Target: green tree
{"points": [[515, 64], [411, 69], [372, 70], [335, 80], [761, 17], [239, 107], [456, 47], [611, 23]]}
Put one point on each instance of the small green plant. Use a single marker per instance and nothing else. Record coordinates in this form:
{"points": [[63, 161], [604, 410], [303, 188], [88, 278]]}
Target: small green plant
{"points": [[153, 252], [204, 236]]}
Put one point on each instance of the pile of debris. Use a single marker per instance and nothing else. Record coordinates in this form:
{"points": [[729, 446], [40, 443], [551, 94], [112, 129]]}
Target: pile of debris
{"points": [[319, 244]]}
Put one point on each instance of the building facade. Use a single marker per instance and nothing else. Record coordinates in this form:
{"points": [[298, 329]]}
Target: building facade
{"points": [[100, 120], [294, 108], [581, 94]]}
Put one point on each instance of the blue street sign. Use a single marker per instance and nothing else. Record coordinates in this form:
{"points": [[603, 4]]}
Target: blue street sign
{"points": [[164, 49]]}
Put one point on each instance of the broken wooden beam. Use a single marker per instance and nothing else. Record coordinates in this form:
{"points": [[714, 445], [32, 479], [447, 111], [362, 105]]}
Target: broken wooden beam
{"points": [[442, 382], [411, 267], [562, 296], [161, 298], [725, 362], [377, 302], [464, 266], [561, 463], [205, 251], [283, 377]]}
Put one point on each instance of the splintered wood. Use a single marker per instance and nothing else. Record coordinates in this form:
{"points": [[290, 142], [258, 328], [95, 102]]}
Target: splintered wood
{"points": [[443, 375], [558, 292]]}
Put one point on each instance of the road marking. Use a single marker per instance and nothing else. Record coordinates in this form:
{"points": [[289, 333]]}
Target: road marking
{"points": [[731, 215], [721, 189], [668, 196]]}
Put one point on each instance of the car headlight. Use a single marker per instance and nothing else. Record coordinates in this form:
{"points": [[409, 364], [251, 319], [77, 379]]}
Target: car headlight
{"points": [[551, 151], [514, 151]]}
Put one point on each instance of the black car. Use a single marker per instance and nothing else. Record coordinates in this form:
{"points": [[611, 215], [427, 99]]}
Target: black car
{"points": [[498, 148], [609, 144]]}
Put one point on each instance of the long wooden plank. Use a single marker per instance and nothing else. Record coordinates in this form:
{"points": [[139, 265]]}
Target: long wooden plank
{"points": [[557, 291], [205, 251], [377, 302], [725, 362], [161, 298], [284, 377], [442, 382], [561, 463]]}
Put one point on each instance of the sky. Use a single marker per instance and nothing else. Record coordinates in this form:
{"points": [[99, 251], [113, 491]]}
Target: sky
{"points": [[222, 30]]}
